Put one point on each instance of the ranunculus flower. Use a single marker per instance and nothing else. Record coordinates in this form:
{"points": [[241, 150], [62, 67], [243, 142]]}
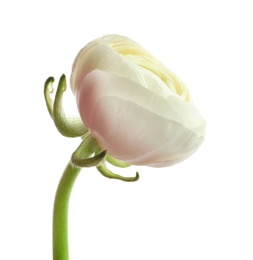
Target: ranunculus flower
{"points": [[135, 108]]}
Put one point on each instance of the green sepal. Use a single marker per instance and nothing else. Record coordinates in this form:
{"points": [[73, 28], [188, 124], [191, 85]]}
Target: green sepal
{"points": [[109, 174], [88, 162], [117, 162], [48, 89], [82, 157], [66, 126]]}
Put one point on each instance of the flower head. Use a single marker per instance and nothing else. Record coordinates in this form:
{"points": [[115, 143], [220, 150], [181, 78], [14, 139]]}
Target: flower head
{"points": [[134, 107]]}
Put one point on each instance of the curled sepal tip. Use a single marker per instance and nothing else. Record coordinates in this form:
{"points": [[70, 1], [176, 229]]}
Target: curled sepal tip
{"points": [[48, 89], [66, 126], [83, 155], [69, 127], [88, 162], [109, 174]]}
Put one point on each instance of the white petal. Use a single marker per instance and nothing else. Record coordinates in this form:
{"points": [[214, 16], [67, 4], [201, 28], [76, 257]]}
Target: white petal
{"points": [[171, 107], [135, 125], [103, 57]]}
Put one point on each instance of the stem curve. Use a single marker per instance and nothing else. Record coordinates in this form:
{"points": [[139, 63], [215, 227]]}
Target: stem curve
{"points": [[60, 213]]}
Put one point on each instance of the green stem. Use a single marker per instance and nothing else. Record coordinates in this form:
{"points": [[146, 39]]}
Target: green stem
{"points": [[60, 215]]}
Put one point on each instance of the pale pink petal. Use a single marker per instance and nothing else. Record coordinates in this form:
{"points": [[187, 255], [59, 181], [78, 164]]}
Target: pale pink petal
{"points": [[135, 125]]}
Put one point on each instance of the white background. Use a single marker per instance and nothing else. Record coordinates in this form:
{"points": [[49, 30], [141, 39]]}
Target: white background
{"points": [[199, 209]]}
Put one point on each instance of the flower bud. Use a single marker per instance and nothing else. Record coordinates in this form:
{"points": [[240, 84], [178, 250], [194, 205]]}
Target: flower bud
{"points": [[135, 108]]}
